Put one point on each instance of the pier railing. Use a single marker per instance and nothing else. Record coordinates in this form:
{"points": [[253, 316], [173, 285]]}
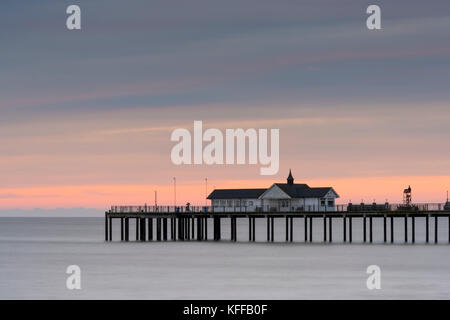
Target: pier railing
{"points": [[230, 209]]}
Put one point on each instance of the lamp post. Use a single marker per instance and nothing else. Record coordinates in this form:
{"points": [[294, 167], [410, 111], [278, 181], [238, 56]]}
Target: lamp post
{"points": [[174, 191], [206, 192]]}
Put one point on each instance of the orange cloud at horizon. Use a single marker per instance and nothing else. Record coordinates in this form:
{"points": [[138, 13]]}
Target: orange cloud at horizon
{"points": [[425, 189]]}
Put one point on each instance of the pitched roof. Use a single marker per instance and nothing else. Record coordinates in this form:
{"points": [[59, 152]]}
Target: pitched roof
{"points": [[236, 193], [303, 190]]}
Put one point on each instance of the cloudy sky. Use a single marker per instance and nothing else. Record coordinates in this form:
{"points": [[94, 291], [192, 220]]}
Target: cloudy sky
{"points": [[86, 116]]}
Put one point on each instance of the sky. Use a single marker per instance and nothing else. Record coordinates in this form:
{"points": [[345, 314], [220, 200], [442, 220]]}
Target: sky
{"points": [[86, 115]]}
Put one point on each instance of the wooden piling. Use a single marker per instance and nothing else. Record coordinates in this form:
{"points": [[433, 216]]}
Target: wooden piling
{"points": [[254, 232], [268, 229], [305, 222], [287, 229], [106, 228], [165, 229], [292, 229], [324, 228], [413, 229], [158, 229], [180, 228], [345, 228], [427, 231], [435, 229], [127, 229], [392, 229], [330, 229], [150, 229], [216, 228], [137, 229], [350, 229], [271, 229], [206, 229], [187, 228], [406, 228], [232, 229], [143, 229], [110, 229], [249, 229], [364, 228], [310, 228], [384, 228], [122, 235], [370, 229]]}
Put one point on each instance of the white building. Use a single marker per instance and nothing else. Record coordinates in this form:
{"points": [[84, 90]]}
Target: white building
{"points": [[280, 197]]}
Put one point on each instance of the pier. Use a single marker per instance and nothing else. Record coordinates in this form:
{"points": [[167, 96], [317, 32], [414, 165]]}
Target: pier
{"points": [[178, 224]]}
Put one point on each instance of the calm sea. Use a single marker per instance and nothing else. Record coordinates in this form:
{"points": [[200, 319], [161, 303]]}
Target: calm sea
{"points": [[35, 252]]}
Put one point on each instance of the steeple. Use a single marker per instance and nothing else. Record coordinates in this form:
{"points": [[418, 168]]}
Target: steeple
{"points": [[290, 178]]}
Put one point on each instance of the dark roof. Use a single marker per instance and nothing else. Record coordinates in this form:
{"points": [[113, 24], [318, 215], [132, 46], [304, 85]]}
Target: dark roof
{"points": [[236, 193], [303, 190]]}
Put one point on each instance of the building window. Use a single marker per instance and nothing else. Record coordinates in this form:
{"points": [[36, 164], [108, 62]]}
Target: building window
{"points": [[331, 203], [229, 203], [222, 203], [322, 202], [250, 203]]}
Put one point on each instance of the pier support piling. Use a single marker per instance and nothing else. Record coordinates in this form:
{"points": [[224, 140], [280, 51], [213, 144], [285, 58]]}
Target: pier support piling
{"points": [[158, 229], [292, 229], [330, 229], [122, 235], [310, 228], [106, 228], [142, 227], [345, 228], [287, 228], [435, 229], [250, 232], [150, 229], [305, 222], [217, 231], [392, 229], [364, 228], [350, 229], [110, 229], [165, 229], [406, 228], [137, 229], [271, 229]]}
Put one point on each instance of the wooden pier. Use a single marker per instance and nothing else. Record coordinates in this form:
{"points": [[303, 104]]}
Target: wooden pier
{"points": [[173, 225]]}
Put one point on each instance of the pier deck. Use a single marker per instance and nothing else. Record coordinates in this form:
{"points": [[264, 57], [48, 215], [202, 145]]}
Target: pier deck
{"points": [[163, 224]]}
